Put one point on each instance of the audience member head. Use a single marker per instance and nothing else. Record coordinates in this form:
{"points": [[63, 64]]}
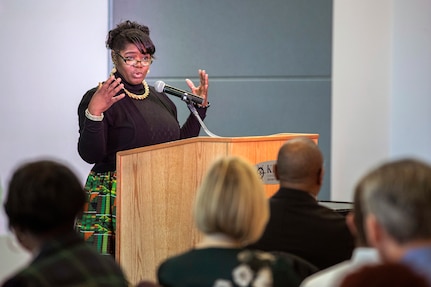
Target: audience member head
{"points": [[43, 199], [384, 275], [300, 165], [231, 201], [356, 219], [397, 200]]}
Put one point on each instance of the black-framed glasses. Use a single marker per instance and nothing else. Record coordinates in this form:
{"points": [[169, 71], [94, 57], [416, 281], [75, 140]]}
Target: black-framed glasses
{"points": [[145, 61]]}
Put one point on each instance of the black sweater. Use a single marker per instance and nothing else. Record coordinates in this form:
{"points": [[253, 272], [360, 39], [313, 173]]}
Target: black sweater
{"points": [[128, 124]]}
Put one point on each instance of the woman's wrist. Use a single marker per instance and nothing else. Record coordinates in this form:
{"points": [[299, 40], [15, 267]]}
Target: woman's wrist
{"points": [[93, 117], [204, 106]]}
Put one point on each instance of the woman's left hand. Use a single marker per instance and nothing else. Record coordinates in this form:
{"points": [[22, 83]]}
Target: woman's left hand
{"points": [[202, 89]]}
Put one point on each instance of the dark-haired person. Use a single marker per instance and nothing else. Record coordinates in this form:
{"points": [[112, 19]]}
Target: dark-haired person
{"points": [[122, 113], [363, 253], [43, 200]]}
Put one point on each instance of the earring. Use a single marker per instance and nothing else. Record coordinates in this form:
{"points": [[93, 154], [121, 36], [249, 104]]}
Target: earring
{"points": [[113, 70]]}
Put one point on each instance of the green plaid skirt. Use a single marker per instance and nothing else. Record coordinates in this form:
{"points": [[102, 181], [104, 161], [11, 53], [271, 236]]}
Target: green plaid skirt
{"points": [[98, 222]]}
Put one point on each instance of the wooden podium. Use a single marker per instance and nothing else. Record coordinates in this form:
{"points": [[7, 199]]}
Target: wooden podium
{"points": [[156, 186]]}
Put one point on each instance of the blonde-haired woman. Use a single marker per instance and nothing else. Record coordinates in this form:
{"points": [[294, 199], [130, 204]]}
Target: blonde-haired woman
{"points": [[231, 211]]}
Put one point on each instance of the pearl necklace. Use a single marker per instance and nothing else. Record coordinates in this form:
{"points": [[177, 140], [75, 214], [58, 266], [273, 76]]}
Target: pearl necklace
{"points": [[139, 97]]}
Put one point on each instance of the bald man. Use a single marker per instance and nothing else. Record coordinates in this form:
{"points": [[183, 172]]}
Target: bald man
{"points": [[298, 224]]}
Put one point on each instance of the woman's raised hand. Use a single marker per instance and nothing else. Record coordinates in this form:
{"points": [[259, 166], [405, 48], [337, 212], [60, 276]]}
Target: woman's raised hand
{"points": [[105, 97]]}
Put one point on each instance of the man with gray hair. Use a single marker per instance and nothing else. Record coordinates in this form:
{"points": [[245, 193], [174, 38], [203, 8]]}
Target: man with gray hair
{"points": [[397, 202]]}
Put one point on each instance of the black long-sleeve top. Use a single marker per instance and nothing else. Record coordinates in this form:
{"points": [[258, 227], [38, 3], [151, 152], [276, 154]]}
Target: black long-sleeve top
{"points": [[128, 124]]}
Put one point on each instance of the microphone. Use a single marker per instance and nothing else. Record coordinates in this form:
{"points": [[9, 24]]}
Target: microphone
{"points": [[188, 97]]}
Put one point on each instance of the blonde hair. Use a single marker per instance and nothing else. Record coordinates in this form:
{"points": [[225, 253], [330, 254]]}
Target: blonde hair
{"points": [[232, 201]]}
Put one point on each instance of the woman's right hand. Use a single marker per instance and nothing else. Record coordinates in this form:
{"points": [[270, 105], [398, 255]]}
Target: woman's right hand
{"points": [[105, 97]]}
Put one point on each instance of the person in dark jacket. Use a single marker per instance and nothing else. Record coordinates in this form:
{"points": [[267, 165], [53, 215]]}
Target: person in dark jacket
{"points": [[298, 224], [44, 198]]}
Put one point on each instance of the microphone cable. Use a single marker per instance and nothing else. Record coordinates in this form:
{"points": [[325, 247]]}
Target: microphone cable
{"points": [[196, 114]]}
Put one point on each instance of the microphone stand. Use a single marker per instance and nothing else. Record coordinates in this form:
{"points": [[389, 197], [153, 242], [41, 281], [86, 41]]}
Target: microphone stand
{"points": [[193, 110]]}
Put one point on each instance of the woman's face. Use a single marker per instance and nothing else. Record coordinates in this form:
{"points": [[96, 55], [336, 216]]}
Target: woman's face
{"points": [[132, 71]]}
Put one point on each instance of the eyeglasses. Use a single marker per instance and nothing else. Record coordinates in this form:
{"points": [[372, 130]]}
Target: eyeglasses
{"points": [[146, 61]]}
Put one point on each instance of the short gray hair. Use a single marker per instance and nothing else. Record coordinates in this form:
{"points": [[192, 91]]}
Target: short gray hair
{"points": [[398, 194]]}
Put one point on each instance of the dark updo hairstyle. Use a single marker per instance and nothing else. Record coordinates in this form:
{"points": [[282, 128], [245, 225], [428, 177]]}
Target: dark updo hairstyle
{"points": [[44, 196], [129, 32]]}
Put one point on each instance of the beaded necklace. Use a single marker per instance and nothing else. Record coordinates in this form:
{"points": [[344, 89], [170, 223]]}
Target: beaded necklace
{"points": [[132, 95], [139, 97]]}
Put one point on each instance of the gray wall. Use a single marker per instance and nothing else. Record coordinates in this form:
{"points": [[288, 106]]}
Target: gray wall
{"points": [[269, 61]]}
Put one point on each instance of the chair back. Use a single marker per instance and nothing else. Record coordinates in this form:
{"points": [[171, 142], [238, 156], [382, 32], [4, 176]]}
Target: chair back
{"points": [[302, 267]]}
